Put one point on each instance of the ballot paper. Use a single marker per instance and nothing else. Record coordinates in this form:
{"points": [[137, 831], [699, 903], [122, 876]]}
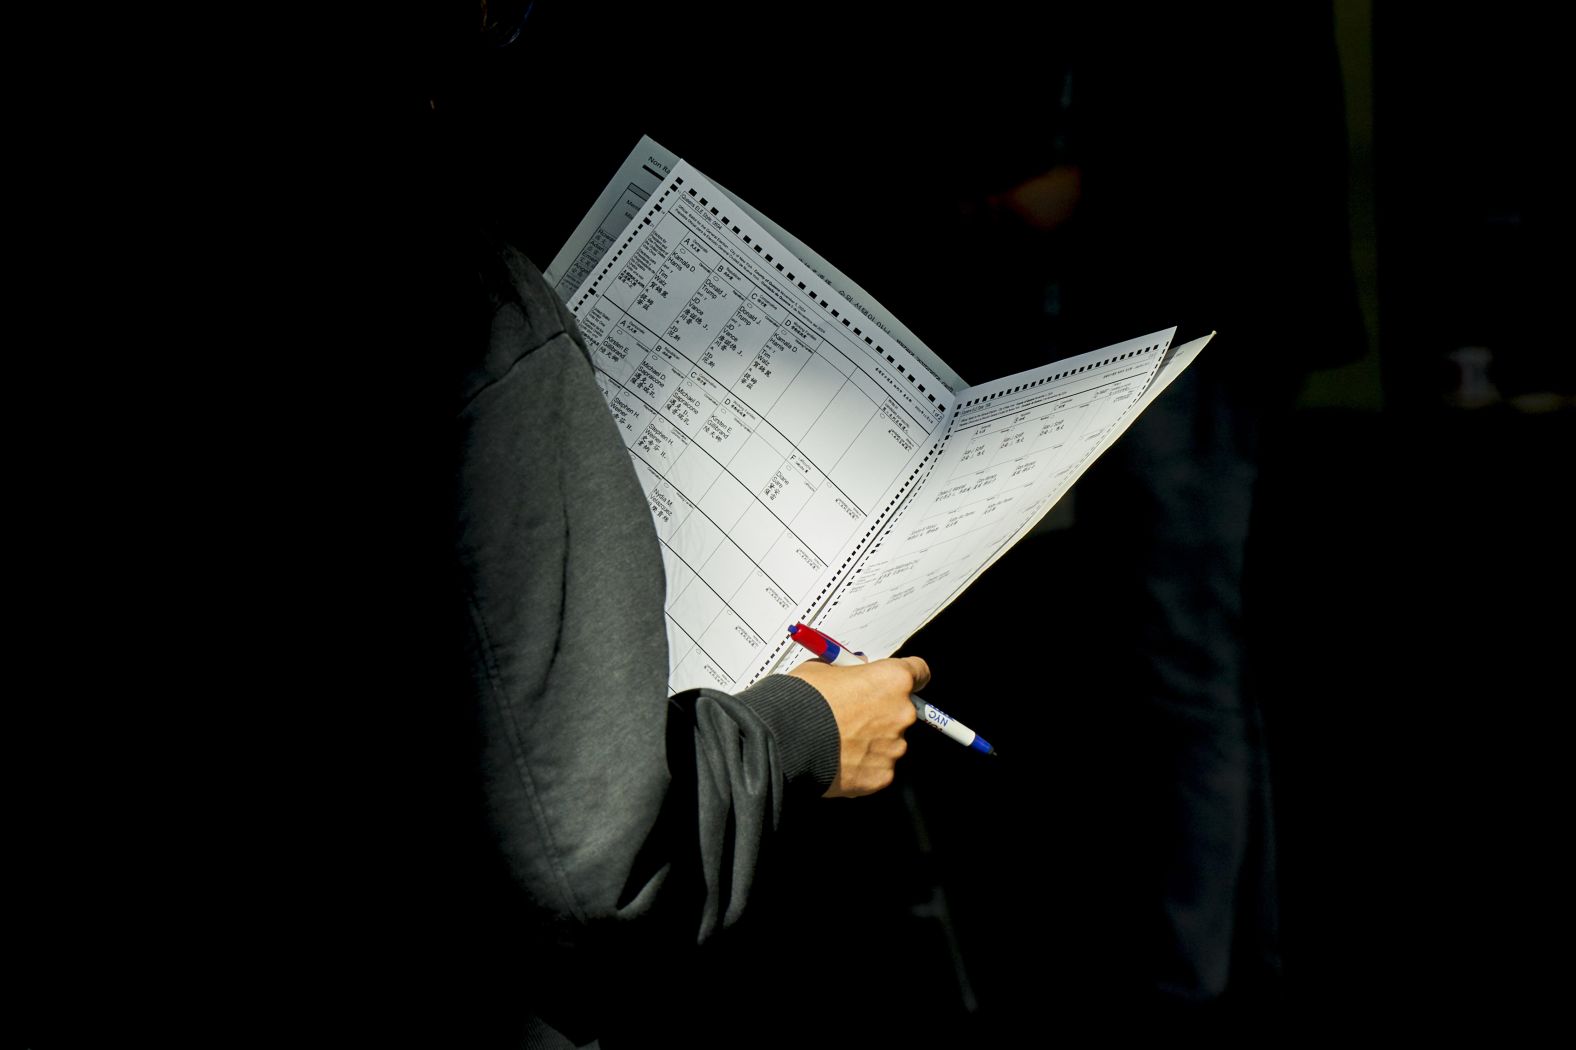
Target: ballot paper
{"points": [[805, 457]]}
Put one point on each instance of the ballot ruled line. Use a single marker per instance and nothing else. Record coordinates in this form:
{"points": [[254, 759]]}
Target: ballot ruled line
{"points": [[989, 560], [690, 442], [695, 441], [784, 302], [910, 369], [1009, 537], [1080, 434], [695, 507], [760, 639], [853, 589], [1041, 402], [1069, 436], [1070, 372], [773, 297], [696, 643], [937, 510], [794, 447], [1044, 400], [1013, 492], [759, 415], [725, 274], [584, 262], [1013, 459]]}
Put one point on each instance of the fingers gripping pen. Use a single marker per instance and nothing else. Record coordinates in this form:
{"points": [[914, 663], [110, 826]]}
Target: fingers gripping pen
{"points": [[828, 650]]}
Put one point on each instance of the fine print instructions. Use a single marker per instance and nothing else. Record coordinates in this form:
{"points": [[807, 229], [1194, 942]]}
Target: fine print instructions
{"points": [[805, 457]]}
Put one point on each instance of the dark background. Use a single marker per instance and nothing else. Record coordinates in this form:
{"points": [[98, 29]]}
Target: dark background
{"points": [[1408, 590], [1408, 587]]}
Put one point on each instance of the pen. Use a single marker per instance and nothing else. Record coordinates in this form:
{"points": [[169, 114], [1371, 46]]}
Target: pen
{"points": [[828, 650]]}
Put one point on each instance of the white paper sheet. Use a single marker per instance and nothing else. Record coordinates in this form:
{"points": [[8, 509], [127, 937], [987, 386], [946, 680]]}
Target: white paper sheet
{"points": [[805, 461]]}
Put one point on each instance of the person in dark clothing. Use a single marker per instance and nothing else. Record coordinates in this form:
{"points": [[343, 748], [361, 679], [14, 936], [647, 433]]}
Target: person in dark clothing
{"points": [[1207, 150], [633, 824], [604, 831]]}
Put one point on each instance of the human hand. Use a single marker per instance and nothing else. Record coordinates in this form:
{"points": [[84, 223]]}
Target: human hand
{"points": [[872, 707]]}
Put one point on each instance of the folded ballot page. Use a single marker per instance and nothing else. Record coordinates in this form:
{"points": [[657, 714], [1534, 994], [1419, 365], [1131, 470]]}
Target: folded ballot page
{"points": [[634, 183], [1012, 449], [805, 459]]}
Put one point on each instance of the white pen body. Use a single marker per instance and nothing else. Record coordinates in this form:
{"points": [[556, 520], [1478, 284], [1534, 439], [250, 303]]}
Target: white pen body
{"points": [[934, 716], [939, 719]]}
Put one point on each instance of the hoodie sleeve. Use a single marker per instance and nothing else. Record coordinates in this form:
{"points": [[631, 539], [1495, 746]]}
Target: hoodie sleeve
{"points": [[616, 806]]}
